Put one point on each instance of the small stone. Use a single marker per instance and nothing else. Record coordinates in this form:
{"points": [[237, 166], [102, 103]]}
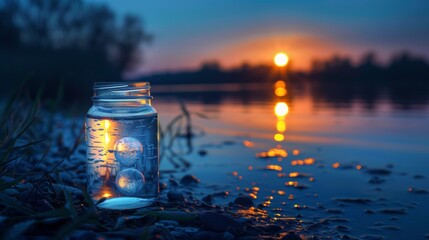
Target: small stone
{"points": [[342, 228], [245, 202], [268, 228], [291, 236], [228, 236], [208, 199], [162, 186], [334, 211], [400, 211], [369, 211], [173, 182], [378, 171], [376, 180], [201, 235], [418, 176], [169, 223], [354, 200], [202, 152], [11, 191], [190, 229], [65, 177], [219, 223], [189, 180], [175, 195]]}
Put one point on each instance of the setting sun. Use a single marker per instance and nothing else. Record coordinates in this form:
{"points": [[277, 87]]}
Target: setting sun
{"points": [[281, 59]]}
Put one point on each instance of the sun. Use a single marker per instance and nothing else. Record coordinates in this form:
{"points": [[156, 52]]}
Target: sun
{"points": [[281, 59]]}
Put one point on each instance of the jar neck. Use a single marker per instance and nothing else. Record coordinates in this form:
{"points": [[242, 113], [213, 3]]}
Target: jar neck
{"points": [[123, 103], [122, 94]]}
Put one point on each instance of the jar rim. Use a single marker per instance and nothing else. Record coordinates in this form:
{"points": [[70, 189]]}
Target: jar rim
{"points": [[121, 91]]}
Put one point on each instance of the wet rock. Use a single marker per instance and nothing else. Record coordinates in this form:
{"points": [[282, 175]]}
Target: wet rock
{"points": [[189, 180], [79, 234], [369, 211], [174, 196], [66, 177], [337, 219], [353, 200], [342, 228], [208, 199], [376, 180], [221, 194], [379, 171], [179, 234], [202, 235], [270, 228], [190, 229], [219, 223], [228, 236], [334, 211], [348, 237], [372, 237], [245, 202], [291, 236], [173, 182], [169, 224], [418, 176], [400, 211], [417, 190], [162, 186], [11, 191], [390, 165], [202, 153]]}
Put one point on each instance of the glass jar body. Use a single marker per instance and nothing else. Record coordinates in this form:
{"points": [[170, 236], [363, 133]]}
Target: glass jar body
{"points": [[122, 154]]}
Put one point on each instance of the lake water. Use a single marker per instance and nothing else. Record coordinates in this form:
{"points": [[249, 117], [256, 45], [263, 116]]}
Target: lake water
{"points": [[340, 169]]}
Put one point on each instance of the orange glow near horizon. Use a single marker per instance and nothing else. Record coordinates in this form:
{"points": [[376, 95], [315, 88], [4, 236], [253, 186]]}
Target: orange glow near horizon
{"points": [[281, 59]]}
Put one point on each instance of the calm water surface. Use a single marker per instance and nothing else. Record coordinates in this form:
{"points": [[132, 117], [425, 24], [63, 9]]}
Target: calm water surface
{"points": [[366, 170]]}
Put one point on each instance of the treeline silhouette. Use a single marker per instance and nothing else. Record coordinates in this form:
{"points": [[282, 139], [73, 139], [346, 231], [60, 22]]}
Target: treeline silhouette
{"points": [[65, 44], [337, 80]]}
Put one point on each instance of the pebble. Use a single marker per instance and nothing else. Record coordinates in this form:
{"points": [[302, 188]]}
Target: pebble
{"points": [[219, 223], [245, 202], [268, 228], [393, 211], [173, 182], [334, 211], [162, 186], [208, 199], [11, 191], [65, 177], [202, 153], [418, 176], [376, 180], [174, 195], [342, 228], [203, 235], [378, 171], [189, 180], [354, 200], [291, 236]]}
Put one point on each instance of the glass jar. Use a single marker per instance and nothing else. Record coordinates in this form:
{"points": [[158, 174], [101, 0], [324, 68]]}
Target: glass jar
{"points": [[121, 132]]}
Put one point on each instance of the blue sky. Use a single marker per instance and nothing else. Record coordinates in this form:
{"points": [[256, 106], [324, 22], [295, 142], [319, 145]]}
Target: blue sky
{"points": [[189, 32]]}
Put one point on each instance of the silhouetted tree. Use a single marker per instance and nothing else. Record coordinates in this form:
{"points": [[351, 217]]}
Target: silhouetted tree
{"points": [[67, 40]]}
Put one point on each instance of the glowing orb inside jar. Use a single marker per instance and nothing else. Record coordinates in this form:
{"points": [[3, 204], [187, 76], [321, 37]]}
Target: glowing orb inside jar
{"points": [[130, 182], [128, 150]]}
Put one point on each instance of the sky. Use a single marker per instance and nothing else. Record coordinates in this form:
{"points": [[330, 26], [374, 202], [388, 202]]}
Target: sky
{"points": [[190, 32]]}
